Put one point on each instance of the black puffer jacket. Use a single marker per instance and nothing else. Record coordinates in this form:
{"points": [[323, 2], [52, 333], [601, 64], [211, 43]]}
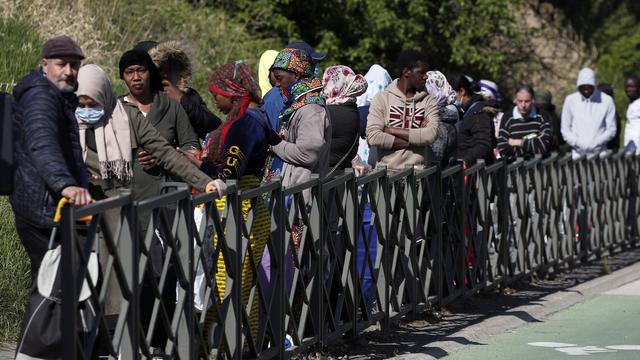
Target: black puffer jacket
{"points": [[202, 120], [47, 149], [476, 135]]}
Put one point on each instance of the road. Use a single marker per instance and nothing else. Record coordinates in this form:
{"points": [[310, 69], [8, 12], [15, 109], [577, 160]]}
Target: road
{"points": [[604, 327]]}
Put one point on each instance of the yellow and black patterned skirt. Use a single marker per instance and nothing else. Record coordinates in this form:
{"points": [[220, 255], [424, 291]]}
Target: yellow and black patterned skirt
{"points": [[258, 231]]}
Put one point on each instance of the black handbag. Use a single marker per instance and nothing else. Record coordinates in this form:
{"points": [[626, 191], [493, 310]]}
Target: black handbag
{"points": [[42, 333]]}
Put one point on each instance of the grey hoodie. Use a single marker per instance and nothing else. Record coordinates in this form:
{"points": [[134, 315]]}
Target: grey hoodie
{"points": [[392, 108]]}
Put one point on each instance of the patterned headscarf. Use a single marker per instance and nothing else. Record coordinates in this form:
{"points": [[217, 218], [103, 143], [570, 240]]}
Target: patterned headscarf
{"points": [[377, 79], [231, 80], [300, 93], [295, 60], [342, 85], [438, 87]]}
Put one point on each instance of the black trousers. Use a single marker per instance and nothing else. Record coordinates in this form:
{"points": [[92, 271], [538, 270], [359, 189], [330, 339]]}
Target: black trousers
{"points": [[35, 241]]}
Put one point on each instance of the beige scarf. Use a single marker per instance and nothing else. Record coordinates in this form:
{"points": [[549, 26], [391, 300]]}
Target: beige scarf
{"points": [[112, 133]]}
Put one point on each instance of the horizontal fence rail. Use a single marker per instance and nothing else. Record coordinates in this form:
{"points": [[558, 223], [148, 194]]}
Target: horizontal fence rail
{"points": [[268, 272]]}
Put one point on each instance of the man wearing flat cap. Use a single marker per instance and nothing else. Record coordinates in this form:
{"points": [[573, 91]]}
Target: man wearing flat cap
{"points": [[49, 164]]}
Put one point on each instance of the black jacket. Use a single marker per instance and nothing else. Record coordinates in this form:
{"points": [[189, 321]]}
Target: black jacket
{"points": [[476, 137], [202, 120], [47, 149], [345, 131]]}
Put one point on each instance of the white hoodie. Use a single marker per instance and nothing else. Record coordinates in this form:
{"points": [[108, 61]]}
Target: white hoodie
{"points": [[588, 123]]}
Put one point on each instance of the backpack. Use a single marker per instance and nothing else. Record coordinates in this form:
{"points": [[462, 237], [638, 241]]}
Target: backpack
{"points": [[6, 145]]}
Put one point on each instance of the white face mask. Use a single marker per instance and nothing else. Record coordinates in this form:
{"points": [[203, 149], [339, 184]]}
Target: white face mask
{"points": [[90, 116]]}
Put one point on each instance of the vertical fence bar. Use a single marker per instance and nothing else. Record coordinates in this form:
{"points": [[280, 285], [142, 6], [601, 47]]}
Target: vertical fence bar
{"points": [[278, 235], [134, 306], [69, 286], [384, 282], [352, 281], [317, 227], [234, 239], [410, 240]]}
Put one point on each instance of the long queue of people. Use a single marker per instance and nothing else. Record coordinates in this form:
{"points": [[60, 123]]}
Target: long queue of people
{"points": [[78, 140]]}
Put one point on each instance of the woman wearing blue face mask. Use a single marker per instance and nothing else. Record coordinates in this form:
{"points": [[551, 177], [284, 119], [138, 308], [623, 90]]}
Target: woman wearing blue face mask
{"points": [[108, 139]]}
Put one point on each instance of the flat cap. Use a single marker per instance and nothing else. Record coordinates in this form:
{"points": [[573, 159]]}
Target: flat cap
{"points": [[60, 46]]}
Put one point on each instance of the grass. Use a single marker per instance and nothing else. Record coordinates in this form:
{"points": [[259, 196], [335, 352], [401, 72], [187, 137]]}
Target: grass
{"points": [[14, 275], [20, 50], [105, 29], [20, 53]]}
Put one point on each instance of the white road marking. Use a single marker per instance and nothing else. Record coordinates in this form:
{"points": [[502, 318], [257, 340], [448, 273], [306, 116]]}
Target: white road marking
{"points": [[574, 350], [551, 344], [584, 350], [623, 347]]}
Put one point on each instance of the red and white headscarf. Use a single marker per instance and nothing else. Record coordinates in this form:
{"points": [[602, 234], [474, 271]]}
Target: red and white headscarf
{"points": [[342, 85], [234, 81]]}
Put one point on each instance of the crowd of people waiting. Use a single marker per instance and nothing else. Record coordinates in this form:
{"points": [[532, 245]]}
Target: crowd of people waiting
{"points": [[76, 139]]}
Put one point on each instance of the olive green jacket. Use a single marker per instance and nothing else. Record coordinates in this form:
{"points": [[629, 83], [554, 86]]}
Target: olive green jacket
{"points": [[147, 137], [172, 123]]}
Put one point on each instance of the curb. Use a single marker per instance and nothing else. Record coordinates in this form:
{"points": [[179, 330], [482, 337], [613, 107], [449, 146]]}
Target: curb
{"points": [[7, 351], [542, 309]]}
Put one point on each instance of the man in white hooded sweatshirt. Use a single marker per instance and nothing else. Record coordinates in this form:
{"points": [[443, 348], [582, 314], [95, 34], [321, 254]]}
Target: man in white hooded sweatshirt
{"points": [[588, 117]]}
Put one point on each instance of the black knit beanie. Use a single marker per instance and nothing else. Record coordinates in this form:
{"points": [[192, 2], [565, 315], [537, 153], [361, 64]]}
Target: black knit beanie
{"points": [[142, 58]]}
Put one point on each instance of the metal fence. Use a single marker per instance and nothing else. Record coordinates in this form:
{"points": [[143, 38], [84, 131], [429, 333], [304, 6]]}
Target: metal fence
{"points": [[194, 279]]}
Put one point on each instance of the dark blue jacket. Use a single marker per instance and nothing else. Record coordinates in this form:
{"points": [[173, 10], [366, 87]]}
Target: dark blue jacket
{"points": [[48, 156], [246, 147]]}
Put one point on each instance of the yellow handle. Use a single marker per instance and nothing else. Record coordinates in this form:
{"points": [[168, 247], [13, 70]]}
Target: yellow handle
{"points": [[58, 214]]}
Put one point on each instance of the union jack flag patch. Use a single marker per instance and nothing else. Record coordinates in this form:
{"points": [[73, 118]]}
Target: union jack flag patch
{"points": [[406, 120]]}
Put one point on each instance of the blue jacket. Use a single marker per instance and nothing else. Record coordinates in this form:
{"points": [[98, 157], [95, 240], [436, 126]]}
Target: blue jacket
{"points": [[246, 147], [47, 153], [273, 106]]}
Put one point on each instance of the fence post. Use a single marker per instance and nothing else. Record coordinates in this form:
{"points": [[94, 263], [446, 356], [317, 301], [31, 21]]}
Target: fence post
{"points": [[317, 227], [186, 206], [382, 199], [233, 239], [435, 183], [351, 217], [411, 238], [69, 285], [280, 255], [503, 221]]}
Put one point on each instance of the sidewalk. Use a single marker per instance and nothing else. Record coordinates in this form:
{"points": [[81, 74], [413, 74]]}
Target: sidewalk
{"points": [[7, 351], [469, 321]]}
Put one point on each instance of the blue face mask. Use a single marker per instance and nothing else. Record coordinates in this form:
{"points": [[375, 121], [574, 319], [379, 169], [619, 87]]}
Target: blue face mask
{"points": [[90, 115], [458, 104]]}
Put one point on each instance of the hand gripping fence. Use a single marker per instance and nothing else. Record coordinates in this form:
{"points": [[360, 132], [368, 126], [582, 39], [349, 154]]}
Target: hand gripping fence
{"points": [[271, 272]]}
